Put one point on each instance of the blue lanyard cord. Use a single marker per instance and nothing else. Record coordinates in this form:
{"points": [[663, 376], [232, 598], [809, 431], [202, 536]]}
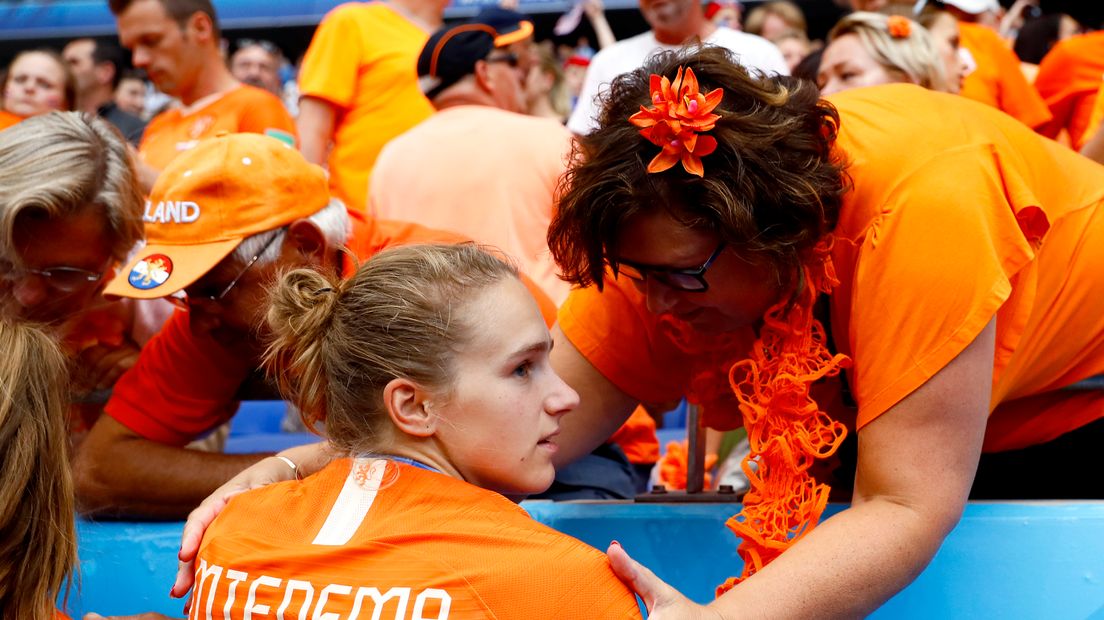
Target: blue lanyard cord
{"points": [[411, 462]]}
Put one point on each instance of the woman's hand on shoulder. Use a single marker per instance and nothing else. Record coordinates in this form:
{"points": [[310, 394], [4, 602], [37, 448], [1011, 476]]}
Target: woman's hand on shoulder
{"points": [[662, 601], [307, 459]]}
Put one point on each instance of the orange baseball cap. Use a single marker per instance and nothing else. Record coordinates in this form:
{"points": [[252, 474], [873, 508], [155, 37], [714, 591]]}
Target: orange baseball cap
{"points": [[208, 200]]}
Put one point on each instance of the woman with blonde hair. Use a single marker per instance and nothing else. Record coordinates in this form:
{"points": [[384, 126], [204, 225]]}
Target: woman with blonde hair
{"points": [[38, 550], [866, 49], [430, 367]]}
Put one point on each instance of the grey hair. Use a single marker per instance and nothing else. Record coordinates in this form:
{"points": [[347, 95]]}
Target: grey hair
{"points": [[60, 163], [914, 57], [333, 219]]}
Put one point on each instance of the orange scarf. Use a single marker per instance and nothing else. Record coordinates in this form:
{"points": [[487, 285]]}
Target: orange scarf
{"points": [[786, 428]]}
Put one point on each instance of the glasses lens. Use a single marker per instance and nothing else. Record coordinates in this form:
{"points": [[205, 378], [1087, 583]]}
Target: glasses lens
{"points": [[68, 280], [629, 271], [680, 281]]}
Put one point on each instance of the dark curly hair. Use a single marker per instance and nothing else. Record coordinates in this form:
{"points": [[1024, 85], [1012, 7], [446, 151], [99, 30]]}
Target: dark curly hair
{"points": [[771, 190]]}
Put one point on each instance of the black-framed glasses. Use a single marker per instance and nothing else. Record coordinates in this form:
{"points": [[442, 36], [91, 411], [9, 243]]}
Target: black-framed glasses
{"points": [[692, 280], [510, 59], [62, 279], [185, 300]]}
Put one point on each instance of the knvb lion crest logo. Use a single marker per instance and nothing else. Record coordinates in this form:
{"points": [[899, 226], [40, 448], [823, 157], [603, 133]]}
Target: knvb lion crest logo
{"points": [[151, 272]]}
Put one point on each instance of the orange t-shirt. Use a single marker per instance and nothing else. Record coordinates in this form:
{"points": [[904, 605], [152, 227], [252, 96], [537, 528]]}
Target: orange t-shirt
{"points": [[1095, 116], [7, 119], [998, 79], [498, 189], [184, 384], [1068, 80], [957, 214], [369, 538], [363, 59], [244, 109]]}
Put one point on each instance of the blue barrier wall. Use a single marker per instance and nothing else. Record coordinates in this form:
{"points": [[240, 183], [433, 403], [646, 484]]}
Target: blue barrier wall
{"points": [[1025, 560]]}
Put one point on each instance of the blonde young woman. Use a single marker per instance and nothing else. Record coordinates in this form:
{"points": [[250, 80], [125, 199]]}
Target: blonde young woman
{"points": [[867, 49], [430, 367], [38, 550]]}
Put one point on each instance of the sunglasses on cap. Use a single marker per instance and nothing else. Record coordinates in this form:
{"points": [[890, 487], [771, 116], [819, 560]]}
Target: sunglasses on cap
{"points": [[692, 280]]}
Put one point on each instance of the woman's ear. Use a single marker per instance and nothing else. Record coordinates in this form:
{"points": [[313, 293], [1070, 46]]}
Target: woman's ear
{"points": [[305, 243], [408, 405]]}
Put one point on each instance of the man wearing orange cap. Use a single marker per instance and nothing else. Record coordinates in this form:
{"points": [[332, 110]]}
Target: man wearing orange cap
{"points": [[223, 219], [177, 43], [428, 175]]}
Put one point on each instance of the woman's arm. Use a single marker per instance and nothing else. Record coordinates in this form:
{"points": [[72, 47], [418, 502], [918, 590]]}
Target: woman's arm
{"points": [[916, 465], [602, 409], [308, 459]]}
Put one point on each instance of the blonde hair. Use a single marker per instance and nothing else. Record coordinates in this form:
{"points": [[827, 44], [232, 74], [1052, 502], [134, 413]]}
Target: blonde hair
{"points": [[336, 344], [39, 550], [913, 57], [60, 163], [787, 11]]}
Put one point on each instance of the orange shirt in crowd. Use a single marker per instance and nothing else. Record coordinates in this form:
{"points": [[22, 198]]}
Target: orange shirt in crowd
{"points": [[998, 79], [1068, 80], [985, 219], [1095, 116], [481, 171], [370, 538], [184, 384], [245, 109], [7, 119], [363, 60]]}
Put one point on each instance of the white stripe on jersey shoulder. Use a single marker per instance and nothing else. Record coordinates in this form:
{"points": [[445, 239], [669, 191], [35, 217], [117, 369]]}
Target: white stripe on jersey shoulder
{"points": [[353, 503]]}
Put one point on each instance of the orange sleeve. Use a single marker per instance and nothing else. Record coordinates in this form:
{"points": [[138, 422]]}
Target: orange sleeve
{"points": [[332, 63], [1095, 116], [998, 79], [901, 336], [615, 332], [7, 119]]}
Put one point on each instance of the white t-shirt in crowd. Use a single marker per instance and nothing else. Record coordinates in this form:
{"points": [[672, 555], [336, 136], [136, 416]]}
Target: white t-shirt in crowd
{"points": [[753, 52]]}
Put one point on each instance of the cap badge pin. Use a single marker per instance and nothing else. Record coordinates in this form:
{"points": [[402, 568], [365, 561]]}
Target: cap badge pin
{"points": [[151, 272]]}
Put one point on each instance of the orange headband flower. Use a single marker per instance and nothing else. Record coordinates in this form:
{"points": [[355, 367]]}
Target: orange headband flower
{"points": [[676, 119], [899, 27]]}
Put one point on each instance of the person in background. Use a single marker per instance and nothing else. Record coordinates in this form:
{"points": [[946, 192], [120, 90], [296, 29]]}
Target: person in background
{"points": [[794, 45], [38, 550], [993, 74], [774, 18], [98, 69], [429, 366], [499, 190], [36, 82], [575, 70], [130, 94], [176, 42], [1068, 79], [673, 23], [546, 91], [359, 88], [868, 49], [943, 27], [257, 63], [728, 14]]}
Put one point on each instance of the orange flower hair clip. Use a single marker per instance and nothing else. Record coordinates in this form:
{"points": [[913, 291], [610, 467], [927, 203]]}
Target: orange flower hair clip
{"points": [[899, 27], [678, 116]]}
